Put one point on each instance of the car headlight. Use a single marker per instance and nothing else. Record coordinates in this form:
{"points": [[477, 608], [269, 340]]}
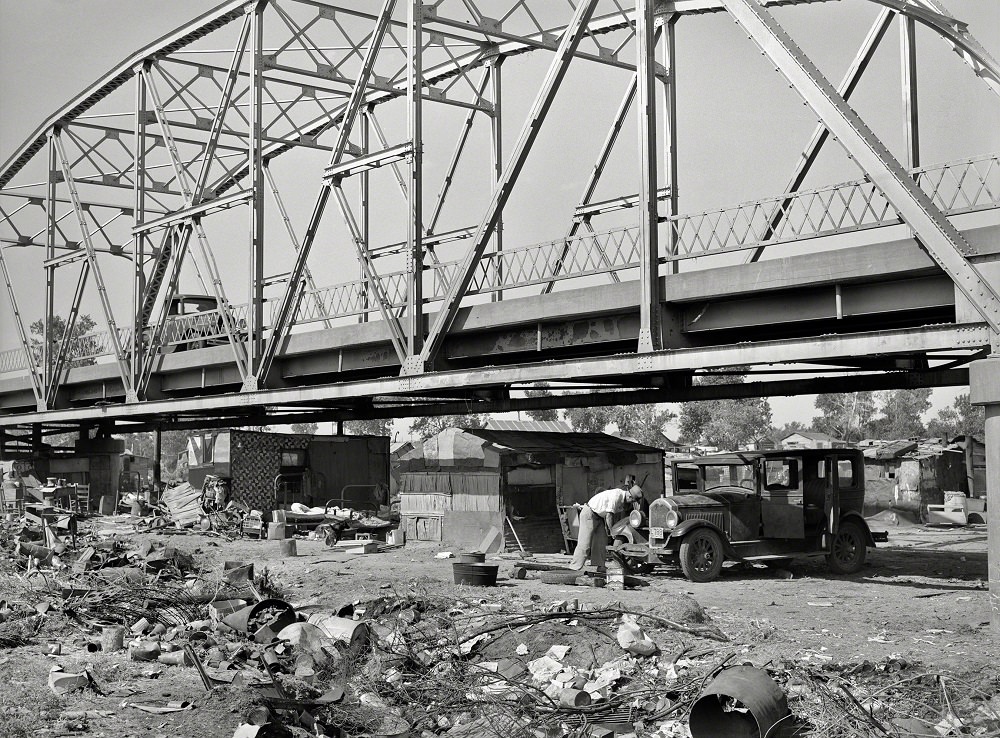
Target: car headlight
{"points": [[636, 519], [672, 519]]}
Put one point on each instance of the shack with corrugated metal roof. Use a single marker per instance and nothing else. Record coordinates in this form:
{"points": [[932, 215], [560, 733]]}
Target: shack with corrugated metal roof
{"points": [[469, 486]]}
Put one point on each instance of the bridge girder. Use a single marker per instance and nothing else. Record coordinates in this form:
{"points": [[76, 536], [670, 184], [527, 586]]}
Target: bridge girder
{"points": [[210, 128]]}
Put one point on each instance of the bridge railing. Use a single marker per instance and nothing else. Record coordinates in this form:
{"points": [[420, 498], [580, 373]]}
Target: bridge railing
{"points": [[955, 187]]}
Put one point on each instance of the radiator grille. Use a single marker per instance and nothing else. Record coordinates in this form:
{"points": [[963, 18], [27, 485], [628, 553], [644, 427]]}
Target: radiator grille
{"points": [[715, 518]]}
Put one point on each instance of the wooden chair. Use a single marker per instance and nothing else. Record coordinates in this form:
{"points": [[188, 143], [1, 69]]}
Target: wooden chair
{"points": [[569, 520], [82, 498]]}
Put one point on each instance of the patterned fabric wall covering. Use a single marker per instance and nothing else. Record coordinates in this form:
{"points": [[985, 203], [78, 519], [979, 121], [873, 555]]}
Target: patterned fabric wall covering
{"points": [[256, 461]]}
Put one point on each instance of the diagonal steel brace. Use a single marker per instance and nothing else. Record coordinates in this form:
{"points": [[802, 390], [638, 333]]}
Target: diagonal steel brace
{"points": [[931, 227]]}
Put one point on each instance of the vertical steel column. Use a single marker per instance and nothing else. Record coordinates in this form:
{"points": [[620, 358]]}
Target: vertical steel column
{"points": [[414, 230], [993, 504], [984, 389], [670, 134], [157, 463], [650, 335], [365, 195], [496, 130], [908, 54], [139, 239], [50, 271], [255, 309]]}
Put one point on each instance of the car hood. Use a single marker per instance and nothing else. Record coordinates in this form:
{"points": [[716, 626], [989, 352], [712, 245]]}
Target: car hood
{"points": [[720, 497]]}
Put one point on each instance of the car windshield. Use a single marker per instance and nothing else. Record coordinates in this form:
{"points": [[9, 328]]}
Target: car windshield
{"points": [[730, 475]]}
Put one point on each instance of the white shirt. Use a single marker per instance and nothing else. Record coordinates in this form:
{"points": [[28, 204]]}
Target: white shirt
{"points": [[609, 501]]}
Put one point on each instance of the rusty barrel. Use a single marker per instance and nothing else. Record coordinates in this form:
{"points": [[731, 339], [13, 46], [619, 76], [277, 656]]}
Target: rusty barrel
{"points": [[742, 702]]}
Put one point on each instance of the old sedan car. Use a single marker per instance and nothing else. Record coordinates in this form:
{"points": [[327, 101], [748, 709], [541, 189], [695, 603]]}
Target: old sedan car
{"points": [[755, 506]]}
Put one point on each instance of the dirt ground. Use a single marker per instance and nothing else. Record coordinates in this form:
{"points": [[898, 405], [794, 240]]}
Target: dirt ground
{"points": [[919, 606]]}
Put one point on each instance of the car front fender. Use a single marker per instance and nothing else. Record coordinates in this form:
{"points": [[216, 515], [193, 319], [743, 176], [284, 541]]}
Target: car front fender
{"points": [[859, 519], [686, 526], [624, 530]]}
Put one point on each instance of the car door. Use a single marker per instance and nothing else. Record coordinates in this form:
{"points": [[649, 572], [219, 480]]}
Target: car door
{"points": [[781, 498]]}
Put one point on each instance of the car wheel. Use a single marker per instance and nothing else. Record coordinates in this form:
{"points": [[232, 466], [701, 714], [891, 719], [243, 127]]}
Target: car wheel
{"points": [[702, 555], [199, 344], [848, 550]]}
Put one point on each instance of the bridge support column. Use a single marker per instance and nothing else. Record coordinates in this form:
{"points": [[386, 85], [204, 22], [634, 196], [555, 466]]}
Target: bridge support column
{"points": [[984, 385]]}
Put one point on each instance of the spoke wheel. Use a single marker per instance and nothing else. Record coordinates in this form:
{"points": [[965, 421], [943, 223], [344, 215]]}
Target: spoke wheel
{"points": [[848, 550], [702, 555]]}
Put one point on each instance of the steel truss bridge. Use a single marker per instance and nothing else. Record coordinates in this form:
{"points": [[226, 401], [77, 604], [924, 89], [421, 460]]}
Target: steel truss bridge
{"points": [[242, 155]]}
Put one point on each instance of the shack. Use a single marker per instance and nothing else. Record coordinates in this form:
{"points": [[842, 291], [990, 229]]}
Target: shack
{"points": [[270, 471], [466, 487], [910, 475]]}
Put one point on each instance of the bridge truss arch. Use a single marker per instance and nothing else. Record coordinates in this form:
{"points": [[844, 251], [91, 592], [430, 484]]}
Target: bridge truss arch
{"points": [[351, 190]]}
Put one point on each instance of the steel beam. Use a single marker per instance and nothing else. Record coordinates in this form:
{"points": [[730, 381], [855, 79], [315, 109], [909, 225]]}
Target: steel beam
{"points": [[496, 154], [286, 309], [225, 101], [258, 348], [29, 359], [650, 329], [570, 40], [904, 341], [908, 65], [194, 212], [670, 134], [102, 291], [414, 187], [139, 240], [372, 279], [941, 239]]}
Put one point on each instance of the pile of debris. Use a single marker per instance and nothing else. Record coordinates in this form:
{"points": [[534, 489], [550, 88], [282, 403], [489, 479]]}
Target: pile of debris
{"points": [[462, 662]]}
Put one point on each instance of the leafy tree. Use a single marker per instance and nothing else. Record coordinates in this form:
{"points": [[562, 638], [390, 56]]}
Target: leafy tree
{"points": [[900, 413], [643, 423], [541, 390], [429, 426], [725, 423], [80, 352], [81, 347], [369, 427], [305, 429], [961, 419], [845, 415]]}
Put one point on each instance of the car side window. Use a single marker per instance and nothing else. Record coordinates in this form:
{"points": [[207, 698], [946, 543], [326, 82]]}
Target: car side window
{"points": [[845, 473], [780, 474]]}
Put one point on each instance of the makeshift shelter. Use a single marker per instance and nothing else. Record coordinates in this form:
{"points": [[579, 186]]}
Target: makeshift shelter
{"points": [[484, 488], [910, 475], [270, 471]]}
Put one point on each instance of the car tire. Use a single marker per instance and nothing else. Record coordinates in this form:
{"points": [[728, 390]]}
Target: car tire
{"points": [[848, 549], [702, 555], [196, 344]]}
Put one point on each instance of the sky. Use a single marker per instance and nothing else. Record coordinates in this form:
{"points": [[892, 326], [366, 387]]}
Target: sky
{"points": [[740, 127]]}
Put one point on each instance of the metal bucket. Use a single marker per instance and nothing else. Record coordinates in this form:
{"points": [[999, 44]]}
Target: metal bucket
{"points": [[742, 702], [479, 575], [471, 557]]}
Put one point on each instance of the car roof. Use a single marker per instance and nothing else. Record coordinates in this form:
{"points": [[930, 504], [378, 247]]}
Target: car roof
{"points": [[747, 457]]}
